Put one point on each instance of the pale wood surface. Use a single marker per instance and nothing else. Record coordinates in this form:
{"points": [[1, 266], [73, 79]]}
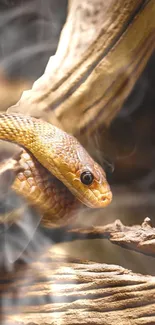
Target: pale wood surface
{"points": [[87, 83], [60, 290]]}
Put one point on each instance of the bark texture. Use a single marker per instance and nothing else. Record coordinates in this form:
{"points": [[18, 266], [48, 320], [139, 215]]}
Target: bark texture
{"points": [[140, 238], [60, 290], [89, 78]]}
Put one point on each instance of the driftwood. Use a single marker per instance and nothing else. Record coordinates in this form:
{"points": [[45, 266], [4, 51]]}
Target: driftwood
{"points": [[107, 45], [86, 82], [140, 238], [60, 290]]}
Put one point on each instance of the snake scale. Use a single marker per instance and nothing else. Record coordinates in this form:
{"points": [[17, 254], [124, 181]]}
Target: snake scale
{"points": [[57, 172]]}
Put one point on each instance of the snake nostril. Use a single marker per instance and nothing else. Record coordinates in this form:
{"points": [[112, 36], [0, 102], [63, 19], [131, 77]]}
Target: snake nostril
{"points": [[106, 196], [103, 197]]}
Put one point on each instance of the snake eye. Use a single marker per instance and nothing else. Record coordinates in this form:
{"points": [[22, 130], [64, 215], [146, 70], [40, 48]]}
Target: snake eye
{"points": [[87, 178]]}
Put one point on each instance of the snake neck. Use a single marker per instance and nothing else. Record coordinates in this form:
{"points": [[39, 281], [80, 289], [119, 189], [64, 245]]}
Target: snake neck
{"points": [[17, 128], [33, 134]]}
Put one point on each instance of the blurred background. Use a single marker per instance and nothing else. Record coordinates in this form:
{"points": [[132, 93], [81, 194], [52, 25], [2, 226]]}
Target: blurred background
{"points": [[29, 34]]}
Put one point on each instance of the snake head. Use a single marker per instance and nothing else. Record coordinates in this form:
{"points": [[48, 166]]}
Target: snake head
{"points": [[61, 154], [81, 174]]}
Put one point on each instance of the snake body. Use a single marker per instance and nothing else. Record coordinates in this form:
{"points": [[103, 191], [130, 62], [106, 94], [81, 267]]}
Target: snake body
{"points": [[52, 163]]}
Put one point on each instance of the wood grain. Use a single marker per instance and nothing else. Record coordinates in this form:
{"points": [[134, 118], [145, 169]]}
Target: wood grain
{"points": [[89, 78], [60, 290]]}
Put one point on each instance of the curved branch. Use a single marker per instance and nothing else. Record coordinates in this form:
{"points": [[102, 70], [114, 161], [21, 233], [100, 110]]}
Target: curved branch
{"points": [[90, 77]]}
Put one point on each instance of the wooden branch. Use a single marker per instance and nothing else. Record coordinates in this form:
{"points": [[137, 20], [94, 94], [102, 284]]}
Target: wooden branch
{"points": [[103, 49], [140, 238], [60, 290]]}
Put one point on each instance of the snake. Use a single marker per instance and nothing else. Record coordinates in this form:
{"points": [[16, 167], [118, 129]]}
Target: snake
{"points": [[57, 174]]}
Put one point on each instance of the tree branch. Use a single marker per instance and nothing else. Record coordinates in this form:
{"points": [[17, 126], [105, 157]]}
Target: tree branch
{"points": [[90, 77], [140, 238]]}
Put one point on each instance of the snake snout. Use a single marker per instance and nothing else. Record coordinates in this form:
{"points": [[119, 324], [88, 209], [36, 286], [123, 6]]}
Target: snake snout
{"points": [[105, 198]]}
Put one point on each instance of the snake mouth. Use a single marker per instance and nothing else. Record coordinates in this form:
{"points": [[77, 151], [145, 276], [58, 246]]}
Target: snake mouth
{"points": [[105, 199], [102, 201]]}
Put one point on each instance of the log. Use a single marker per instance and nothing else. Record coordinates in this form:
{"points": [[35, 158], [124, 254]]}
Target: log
{"points": [[60, 290]]}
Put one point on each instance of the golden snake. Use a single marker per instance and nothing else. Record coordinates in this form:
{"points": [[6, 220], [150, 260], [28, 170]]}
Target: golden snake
{"points": [[57, 172]]}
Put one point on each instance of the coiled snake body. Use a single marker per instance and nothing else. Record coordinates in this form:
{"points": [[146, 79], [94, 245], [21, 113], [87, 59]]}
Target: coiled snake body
{"points": [[57, 172]]}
